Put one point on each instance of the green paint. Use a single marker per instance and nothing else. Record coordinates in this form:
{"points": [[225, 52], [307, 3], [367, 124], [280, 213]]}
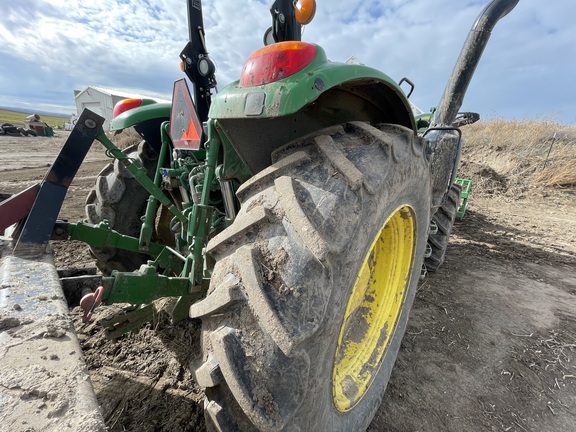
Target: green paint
{"points": [[149, 111], [466, 188], [291, 94], [139, 173], [102, 235], [150, 216]]}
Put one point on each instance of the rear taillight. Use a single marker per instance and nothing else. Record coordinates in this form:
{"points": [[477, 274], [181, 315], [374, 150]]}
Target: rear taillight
{"points": [[125, 105], [275, 62]]}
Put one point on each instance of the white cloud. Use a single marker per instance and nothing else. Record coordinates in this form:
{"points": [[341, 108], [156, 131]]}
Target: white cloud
{"points": [[50, 47]]}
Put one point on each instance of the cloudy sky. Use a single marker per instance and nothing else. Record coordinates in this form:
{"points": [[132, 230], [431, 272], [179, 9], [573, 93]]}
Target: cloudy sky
{"points": [[48, 48]]}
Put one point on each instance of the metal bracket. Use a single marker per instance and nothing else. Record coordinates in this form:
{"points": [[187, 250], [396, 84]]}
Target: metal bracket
{"points": [[144, 286], [410, 83], [132, 318], [466, 188], [36, 225]]}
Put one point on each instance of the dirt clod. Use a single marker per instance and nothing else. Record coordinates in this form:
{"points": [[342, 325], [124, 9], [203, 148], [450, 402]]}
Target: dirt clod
{"points": [[8, 323]]}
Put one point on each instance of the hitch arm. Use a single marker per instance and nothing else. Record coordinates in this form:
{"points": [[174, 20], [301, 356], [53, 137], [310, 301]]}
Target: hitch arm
{"points": [[139, 173], [101, 235], [37, 208]]}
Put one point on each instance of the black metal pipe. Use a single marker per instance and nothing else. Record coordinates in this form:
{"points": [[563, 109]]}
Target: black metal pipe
{"points": [[198, 66], [468, 60], [284, 24], [195, 21]]}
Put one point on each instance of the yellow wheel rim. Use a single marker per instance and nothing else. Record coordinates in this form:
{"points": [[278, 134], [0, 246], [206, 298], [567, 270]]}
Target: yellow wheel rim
{"points": [[373, 309]]}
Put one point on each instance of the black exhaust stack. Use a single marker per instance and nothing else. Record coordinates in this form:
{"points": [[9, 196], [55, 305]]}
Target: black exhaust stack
{"points": [[445, 140], [469, 57]]}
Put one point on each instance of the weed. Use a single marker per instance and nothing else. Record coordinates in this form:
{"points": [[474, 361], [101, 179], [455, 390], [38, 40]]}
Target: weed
{"points": [[526, 153]]}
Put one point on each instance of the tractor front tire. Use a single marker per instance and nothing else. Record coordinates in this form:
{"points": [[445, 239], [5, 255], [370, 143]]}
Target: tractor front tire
{"points": [[314, 281], [444, 220], [120, 200]]}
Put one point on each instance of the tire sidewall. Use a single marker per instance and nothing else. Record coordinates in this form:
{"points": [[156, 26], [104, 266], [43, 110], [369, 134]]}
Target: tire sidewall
{"points": [[319, 402]]}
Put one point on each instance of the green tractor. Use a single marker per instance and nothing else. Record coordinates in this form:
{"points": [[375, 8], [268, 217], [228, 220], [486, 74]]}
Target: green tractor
{"points": [[293, 213]]}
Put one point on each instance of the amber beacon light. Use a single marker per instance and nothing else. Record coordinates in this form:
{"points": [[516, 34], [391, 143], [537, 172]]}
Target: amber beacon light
{"points": [[304, 11]]}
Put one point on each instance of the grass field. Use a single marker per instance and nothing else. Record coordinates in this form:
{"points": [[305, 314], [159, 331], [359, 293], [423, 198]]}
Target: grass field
{"points": [[523, 151], [9, 116]]}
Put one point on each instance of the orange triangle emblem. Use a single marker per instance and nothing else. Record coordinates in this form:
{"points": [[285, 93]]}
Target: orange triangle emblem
{"points": [[191, 133]]}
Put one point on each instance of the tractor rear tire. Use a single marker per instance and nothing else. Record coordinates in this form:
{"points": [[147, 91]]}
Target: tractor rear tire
{"points": [[314, 281], [120, 200], [444, 219]]}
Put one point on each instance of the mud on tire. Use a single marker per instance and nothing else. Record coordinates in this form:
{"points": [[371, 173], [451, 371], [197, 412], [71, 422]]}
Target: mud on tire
{"points": [[444, 220], [284, 274], [118, 198]]}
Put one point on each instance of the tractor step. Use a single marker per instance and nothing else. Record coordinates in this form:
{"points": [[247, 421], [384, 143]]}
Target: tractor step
{"points": [[466, 188]]}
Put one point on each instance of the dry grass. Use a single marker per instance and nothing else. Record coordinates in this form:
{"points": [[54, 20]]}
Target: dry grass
{"points": [[521, 152], [126, 138]]}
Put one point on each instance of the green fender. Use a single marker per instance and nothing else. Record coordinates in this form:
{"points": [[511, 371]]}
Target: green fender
{"points": [[147, 121], [151, 111], [257, 120]]}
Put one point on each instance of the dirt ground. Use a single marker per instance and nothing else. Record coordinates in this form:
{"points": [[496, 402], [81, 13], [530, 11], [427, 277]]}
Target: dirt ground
{"points": [[490, 345]]}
